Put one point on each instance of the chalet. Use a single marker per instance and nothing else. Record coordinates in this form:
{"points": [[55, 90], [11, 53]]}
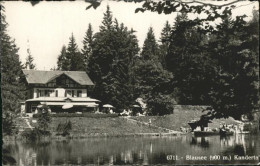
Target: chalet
{"points": [[62, 91]]}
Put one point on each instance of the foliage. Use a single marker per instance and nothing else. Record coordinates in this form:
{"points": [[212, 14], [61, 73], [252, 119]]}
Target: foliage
{"points": [[63, 61], [8, 124], [12, 79], [150, 48], [114, 48], [189, 63], [64, 128], [7, 159], [87, 45], [75, 57], [43, 121], [71, 59], [165, 43], [32, 135], [29, 61], [236, 86], [149, 74]]}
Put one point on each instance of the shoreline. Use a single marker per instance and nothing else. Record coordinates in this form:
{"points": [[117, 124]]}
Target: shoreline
{"points": [[94, 135]]}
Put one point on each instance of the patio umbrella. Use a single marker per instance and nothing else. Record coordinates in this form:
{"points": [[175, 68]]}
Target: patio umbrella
{"points": [[39, 106], [67, 106], [108, 106]]}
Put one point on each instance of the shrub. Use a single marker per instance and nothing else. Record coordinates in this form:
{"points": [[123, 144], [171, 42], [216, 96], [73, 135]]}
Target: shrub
{"points": [[64, 128]]}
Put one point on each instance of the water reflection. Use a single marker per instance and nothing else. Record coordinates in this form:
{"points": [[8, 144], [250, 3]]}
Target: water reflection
{"points": [[202, 142], [142, 151]]}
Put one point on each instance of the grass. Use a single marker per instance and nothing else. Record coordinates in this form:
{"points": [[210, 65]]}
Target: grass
{"points": [[116, 126], [180, 118]]}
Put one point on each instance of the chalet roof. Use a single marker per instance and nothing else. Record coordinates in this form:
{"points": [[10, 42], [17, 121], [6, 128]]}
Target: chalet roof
{"points": [[43, 77], [63, 99]]}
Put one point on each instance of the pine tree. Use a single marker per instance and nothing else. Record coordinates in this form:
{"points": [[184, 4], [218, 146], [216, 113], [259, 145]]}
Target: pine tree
{"points": [[87, 45], [29, 60], [187, 60], [12, 80], [63, 60], [110, 64], [150, 48], [235, 90], [74, 56], [107, 23], [150, 74], [165, 42]]}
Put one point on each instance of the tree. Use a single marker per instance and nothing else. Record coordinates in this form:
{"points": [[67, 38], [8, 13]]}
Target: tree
{"points": [[87, 45], [75, 58], [63, 60], [12, 80], [188, 60], [107, 23], [150, 48], [29, 61], [44, 121], [149, 74], [235, 89], [114, 48], [165, 42]]}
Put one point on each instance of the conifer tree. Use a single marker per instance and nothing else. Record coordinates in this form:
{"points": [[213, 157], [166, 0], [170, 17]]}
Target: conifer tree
{"points": [[87, 45], [74, 56], [12, 80], [107, 23], [29, 60], [235, 90], [110, 64], [63, 60], [150, 48], [165, 42], [149, 74]]}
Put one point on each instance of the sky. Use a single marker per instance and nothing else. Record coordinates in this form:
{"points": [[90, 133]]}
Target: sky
{"points": [[47, 26]]}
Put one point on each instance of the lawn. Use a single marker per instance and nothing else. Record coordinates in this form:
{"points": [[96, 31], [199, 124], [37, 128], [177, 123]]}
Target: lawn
{"points": [[181, 117], [116, 126]]}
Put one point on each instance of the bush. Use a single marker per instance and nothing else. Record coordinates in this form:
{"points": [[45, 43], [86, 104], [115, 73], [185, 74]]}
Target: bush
{"points": [[64, 128]]}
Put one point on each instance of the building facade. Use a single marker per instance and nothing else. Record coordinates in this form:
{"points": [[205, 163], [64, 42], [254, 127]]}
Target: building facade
{"points": [[62, 91]]}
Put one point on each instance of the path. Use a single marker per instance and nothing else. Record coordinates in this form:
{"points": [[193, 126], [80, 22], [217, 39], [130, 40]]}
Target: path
{"points": [[28, 123], [147, 124], [24, 124]]}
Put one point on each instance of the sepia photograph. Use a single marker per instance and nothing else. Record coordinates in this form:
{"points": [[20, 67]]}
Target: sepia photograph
{"points": [[130, 82]]}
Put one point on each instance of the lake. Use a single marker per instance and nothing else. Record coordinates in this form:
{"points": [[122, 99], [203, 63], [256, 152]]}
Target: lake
{"points": [[238, 149]]}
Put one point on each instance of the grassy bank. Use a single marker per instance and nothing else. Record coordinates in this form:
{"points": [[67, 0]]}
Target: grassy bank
{"points": [[117, 126], [180, 119]]}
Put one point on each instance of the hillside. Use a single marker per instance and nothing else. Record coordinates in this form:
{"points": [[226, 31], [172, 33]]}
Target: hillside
{"points": [[180, 118], [116, 126]]}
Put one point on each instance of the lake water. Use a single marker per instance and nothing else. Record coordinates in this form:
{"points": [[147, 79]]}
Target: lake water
{"points": [[139, 150]]}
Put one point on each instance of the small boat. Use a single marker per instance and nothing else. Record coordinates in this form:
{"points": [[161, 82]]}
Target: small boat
{"points": [[205, 133]]}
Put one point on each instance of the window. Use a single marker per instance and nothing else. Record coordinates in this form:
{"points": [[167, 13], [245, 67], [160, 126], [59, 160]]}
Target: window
{"points": [[41, 93], [56, 93], [79, 93], [68, 93], [38, 93], [46, 93], [72, 93]]}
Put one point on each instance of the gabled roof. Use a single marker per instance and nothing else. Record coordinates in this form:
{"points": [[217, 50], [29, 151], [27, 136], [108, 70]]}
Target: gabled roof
{"points": [[63, 99], [43, 77]]}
